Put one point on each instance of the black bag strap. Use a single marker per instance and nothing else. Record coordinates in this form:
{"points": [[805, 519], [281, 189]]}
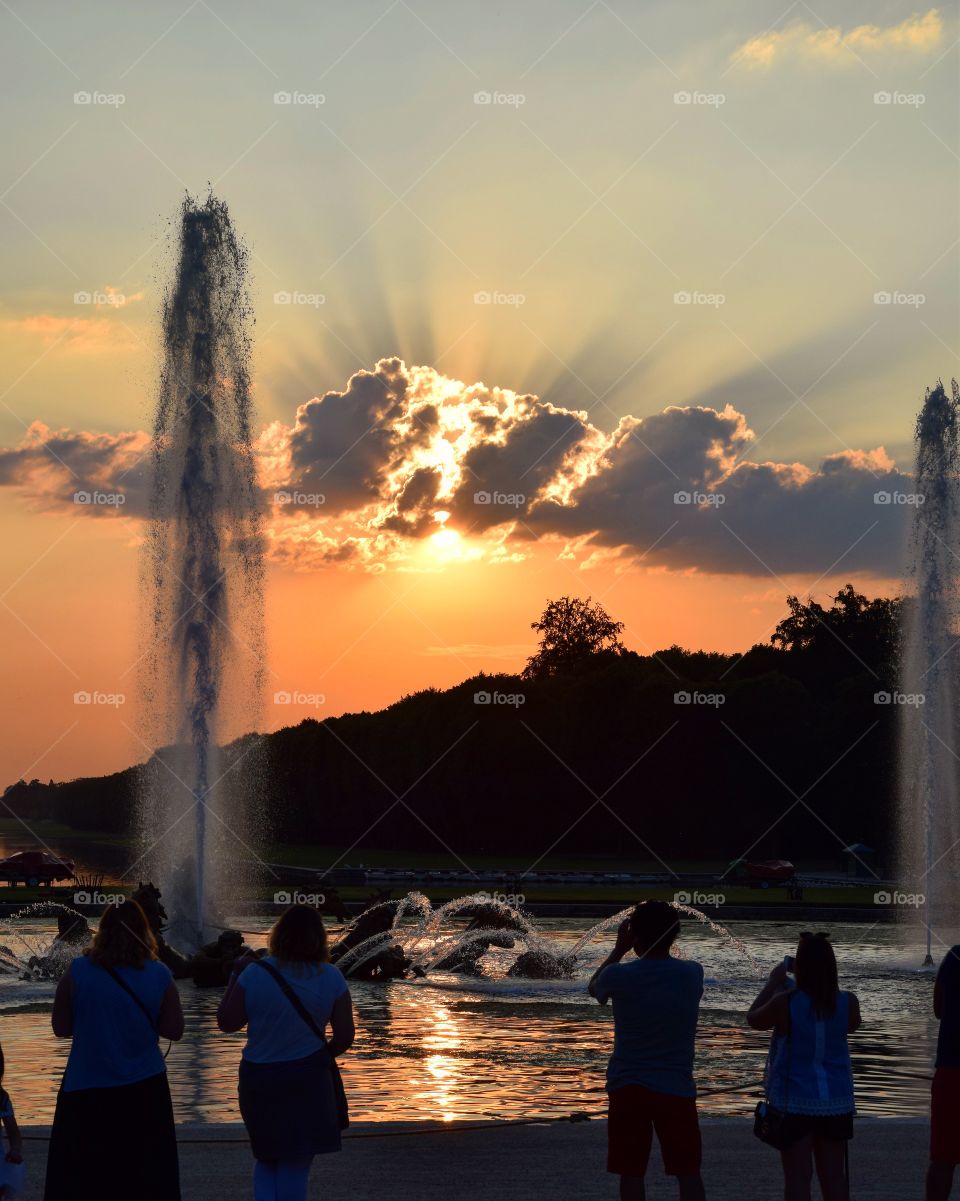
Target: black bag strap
{"points": [[786, 1093], [130, 993], [292, 997]]}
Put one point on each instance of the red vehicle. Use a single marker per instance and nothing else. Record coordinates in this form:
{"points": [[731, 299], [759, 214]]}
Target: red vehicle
{"points": [[34, 868], [764, 872]]}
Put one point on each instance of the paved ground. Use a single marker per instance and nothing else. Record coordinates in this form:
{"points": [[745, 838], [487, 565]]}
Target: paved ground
{"points": [[399, 1162]]}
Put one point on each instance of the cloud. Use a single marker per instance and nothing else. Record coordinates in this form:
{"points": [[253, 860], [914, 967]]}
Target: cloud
{"points": [[111, 297], [344, 443], [83, 335], [915, 35], [50, 466], [358, 480], [674, 489], [302, 546], [670, 492]]}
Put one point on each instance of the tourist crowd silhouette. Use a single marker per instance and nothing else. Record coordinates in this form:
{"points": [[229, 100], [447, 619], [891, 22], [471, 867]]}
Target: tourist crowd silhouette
{"points": [[113, 1131]]}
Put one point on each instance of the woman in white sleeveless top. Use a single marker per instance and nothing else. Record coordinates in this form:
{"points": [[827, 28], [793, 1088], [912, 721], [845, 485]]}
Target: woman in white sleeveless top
{"points": [[809, 1077], [287, 1088]]}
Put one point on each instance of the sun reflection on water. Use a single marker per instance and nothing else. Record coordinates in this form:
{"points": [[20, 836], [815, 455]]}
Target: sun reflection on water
{"points": [[452, 1048], [443, 1035]]}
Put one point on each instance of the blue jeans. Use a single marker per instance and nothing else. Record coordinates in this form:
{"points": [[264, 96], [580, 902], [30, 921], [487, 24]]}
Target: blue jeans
{"points": [[281, 1179]]}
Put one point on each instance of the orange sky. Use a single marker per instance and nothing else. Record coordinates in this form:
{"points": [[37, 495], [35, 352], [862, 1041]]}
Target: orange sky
{"points": [[359, 639], [626, 254]]}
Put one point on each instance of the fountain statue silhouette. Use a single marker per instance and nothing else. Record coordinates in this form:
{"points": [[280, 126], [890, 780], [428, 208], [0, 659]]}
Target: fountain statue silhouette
{"points": [[415, 941], [409, 939]]}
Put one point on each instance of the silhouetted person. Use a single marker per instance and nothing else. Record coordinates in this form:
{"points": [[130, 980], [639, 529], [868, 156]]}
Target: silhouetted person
{"points": [[656, 999], [945, 1093], [809, 1077], [113, 1133], [288, 1075], [11, 1165]]}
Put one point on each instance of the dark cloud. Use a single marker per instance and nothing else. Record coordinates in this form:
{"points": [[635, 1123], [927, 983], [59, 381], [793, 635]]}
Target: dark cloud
{"points": [[502, 479], [416, 504], [671, 489], [53, 468], [343, 443], [364, 472]]}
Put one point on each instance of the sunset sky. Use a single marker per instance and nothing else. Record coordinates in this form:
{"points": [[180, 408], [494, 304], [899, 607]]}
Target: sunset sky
{"points": [[575, 257]]}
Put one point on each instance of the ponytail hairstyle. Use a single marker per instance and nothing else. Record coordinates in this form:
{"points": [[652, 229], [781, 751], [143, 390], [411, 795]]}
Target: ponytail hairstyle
{"points": [[815, 971]]}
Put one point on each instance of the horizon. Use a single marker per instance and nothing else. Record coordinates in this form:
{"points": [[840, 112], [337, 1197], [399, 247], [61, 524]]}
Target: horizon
{"points": [[303, 703]]}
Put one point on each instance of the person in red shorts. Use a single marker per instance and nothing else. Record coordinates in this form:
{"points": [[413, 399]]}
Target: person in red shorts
{"points": [[945, 1093], [656, 1000]]}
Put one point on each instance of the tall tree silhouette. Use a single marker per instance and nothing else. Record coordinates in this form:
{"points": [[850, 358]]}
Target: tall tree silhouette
{"points": [[571, 631], [854, 625]]}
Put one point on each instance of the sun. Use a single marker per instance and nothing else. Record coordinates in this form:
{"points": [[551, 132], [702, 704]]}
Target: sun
{"points": [[444, 539], [445, 542]]}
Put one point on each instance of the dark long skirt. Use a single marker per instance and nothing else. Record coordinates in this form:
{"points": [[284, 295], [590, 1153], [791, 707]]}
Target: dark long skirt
{"points": [[114, 1142], [289, 1109]]}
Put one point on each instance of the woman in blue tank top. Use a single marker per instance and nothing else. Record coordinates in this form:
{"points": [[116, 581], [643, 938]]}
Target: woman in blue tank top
{"points": [[113, 1133], [809, 1077]]}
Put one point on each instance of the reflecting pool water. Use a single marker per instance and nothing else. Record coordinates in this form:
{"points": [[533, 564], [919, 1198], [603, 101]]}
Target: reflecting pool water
{"points": [[452, 1048]]}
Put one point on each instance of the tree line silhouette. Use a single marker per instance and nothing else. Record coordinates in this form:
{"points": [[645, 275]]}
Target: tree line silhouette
{"points": [[593, 749]]}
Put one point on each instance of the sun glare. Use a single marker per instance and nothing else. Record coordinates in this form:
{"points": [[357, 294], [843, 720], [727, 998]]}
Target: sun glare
{"points": [[445, 542], [444, 539]]}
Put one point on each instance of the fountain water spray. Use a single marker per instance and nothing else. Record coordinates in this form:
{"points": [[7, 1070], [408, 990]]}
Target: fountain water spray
{"points": [[428, 942], [203, 663], [38, 957], [929, 810]]}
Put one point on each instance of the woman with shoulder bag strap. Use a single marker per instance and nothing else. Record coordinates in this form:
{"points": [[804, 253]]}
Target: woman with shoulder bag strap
{"points": [[809, 1106], [291, 1095], [113, 1131]]}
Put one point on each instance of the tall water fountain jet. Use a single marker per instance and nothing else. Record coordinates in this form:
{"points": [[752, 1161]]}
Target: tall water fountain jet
{"points": [[929, 810], [203, 580]]}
